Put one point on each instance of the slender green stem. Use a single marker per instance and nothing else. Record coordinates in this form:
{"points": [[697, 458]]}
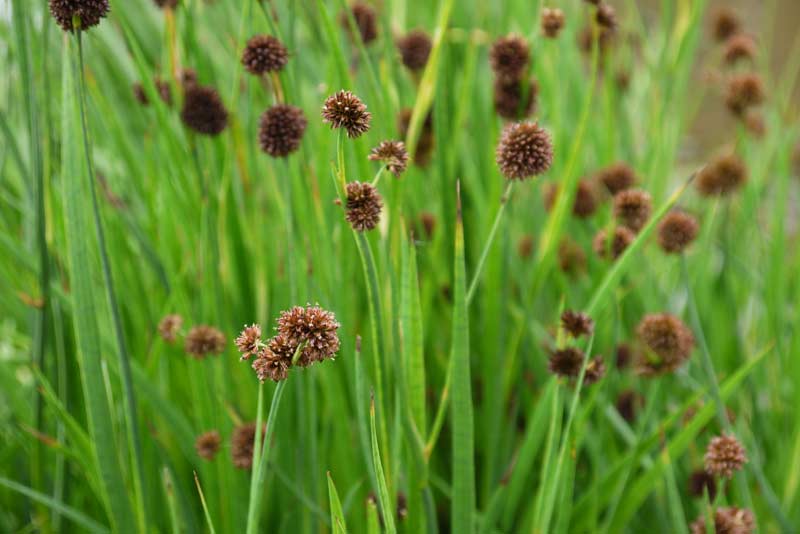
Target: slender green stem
{"points": [[256, 454], [473, 286]]}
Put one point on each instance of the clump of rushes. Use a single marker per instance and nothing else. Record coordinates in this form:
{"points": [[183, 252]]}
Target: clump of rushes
{"points": [[509, 57], [584, 204], [724, 455], [264, 53], [552, 21], [203, 110], [513, 99], [617, 177], [701, 482], [616, 245], [242, 441], [739, 47], [281, 129], [565, 362], [745, 91], [676, 231], [577, 324], [606, 16], [89, 12], [169, 327], [668, 340], [725, 174], [207, 444], [363, 206], [727, 520], [725, 24], [164, 4], [204, 340], [393, 154], [425, 143], [366, 21], [164, 92], [346, 110], [525, 150], [632, 208], [415, 47]]}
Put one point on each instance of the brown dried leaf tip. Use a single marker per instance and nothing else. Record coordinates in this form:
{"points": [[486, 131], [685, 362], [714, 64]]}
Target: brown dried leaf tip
{"points": [[724, 455], [615, 247], [744, 92], [366, 21], [725, 174], [281, 130], [577, 324], [363, 206], [314, 328], [701, 482], [727, 520], [525, 149], [264, 53], [509, 57], [725, 24], [676, 231], [207, 444], [242, 444], [669, 341], [203, 340], [415, 47], [346, 110], [617, 177], [203, 110], [393, 154], [632, 208], [90, 12], [552, 21], [169, 327], [249, 341]]}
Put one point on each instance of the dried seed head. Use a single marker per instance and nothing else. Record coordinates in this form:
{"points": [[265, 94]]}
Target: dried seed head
{"points": [[187, 77], [552, 22], [617, 177], [203, 110], [203, 340], [725, 24], [281, 129], [632, 208], [312, 326], [724, 455], [422, 155], [701, 482], [242, 443], [566, 362], [727, 520], [164, 92], [744, 92], [738, 47], [207, 444], [525, 246], [169, 327], [249, 341], [669, 340], [725, 174], [627, 404], [88, 11], [272, 365], [393, 154], [366, 21], [676, 231], [571, 257], [415, 47], [525, 149], [625, 355], [164, 4], [509, 57], [346, 110], [363, 207], [755, 124], [264, 53], [606, 17], [595, 371], [514, 99], [428, 221], [604, 38], [576, 323], [622, 238], [585, 203]]}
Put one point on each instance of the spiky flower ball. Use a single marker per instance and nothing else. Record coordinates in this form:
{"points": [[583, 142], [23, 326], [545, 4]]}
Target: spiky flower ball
{"points": [[169, 327], [552, 21], [366, 21], [616, 245], [509, 57], [346, 110], [669, 341], [725, 24], [701, 482], [525, 149], [617, 177], [739, 47], [632, 208], [415, 47], [724, 455], [606, 16], [207, 444], [274, 364], [676, 231], [264, 53], [727, 520], [514, 99], [90, 12], [595, 371], [363, 206], [725, 174], [281, 129], [203, 110], [577, 324], [242, 443], [744, 92], [313, 328], [393, 154], [203, 340], [249, 341], [566, 362]]}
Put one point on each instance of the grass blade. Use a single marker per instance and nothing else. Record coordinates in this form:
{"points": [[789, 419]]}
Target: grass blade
{"points": [[337, 516], [383, 491]]}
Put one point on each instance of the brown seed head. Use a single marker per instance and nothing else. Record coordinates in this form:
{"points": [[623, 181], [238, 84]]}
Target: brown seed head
{"points": [[739, 47], [207, 444], [249, 341], [676, 231], [402, 506], [203, 110], [187, 77], [428, 221], [744, 92], [627, 404], [700, 482], [725, 24], [509, 57], [552, 22], [566, 362], [669, 340], [525, 246], [366, 21], [514, 99], [595, 371], [571, 257], [727, 520], [203, 340], [88, 11], [623, 237], [242, 443], [312, 326], [576, 323], [273, 365], [281, 130], [525, 149], [606, 16], [415, 47], [725, 174], [169, 327], [585, 203], [632, 207], [625, 355], [393, 154], [264, 53], [363, 207], [724, 455], [346, 110], [617, 177]]}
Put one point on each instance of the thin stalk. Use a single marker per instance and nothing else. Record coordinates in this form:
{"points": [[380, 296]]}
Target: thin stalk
{"points": [[473, 286], [256, 452]]}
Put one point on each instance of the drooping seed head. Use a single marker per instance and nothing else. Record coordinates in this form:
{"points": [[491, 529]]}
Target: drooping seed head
{"points": [[576, 323], [744, 92], [169, 327], [248, 342], [727, 520], [346, 110], [281, 130], [676, 231], [242, 444], [366, 21], [393, 154], [514, 99], [669, 341], [89, 12], [739, 47], [725, 24], [525, 149], [509, 57], [724, 455], [566, 362], [203, 110], [313, 327], [701, 482], [552, 22], [363, 206], [617, 177], [264, 53], [632, 207], [203, 340], [616, 245], [207, 444], [722, 176], [606, 16], [415, 47]]}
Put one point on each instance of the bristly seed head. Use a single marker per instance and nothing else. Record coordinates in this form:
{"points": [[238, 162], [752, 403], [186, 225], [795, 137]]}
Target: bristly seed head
{"points": [[509, 57], [207, 444], [273, 365], [346, 110], [632, 207], [415, 47], [169, 327], [313, 327], [552, 21], [725, 174], [281, 130], [514, 99], [676, 231], [724, 455], [366, 21], [264, 53], [393, 154], [249, 341], [90, 12], [606, 17], [744, 92], [725, 24], [727, 520], [242, 442], [203, 340], [620, 241], [669, 340], [617, 177], [566, 362], [739, 47], [203, 110], [363, 206], [525, 149], [595, 371], [577, 324]]}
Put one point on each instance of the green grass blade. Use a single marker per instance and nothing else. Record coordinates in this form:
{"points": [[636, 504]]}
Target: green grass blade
{"points": [[207, 514], [412, 339], [337, 516], [383, 490]]}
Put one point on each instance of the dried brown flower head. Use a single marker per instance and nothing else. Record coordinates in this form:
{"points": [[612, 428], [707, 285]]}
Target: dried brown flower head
{"points": [[314, 328], [422, 155], [207, 444], [616, 245], [669, 341], [724, 455], [725, 24], [274, 364], [203, 110], [264, 53], [366, 21], [281, 130], [428, 221], [628, 403], [169, 327], [187, 77], [701, 482], [744, 92], [415, 47], [606, 16], [566, 362], [509, 57], [248, 343], [577, 324], [739, 47], [363, 206], [242, 445], [525, 246], [525, 149], [727, 520], [90, 12], [595, 371], [676, 231], [571, 257], [632, 207], [625, 355], [552, 21], [725, 174], [346, 110], [617, 177], [393, 154], [162, 87], [514, 99], [203, 340]]}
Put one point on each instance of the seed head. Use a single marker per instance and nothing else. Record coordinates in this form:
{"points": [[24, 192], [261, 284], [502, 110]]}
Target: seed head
{"points": [[744, 92], [415, 47], [264, 53], [207, 444], [162, 88], [164, 4], [312, 326], [346, 110], [632, 208], [727, 520], [203, 340], [428, 222], [393, 154], [525, 149], [628, 403], [187, 77], [513, 99], [585, 203], [249, 341], [273, 365], [242, 443], [617, 177], [552, 22], [281, 129], [525, 246], [402, 506], [725, 174], [169, 327], [606, 17], [668, 339], [725, 24], [366, 21], [738, 47], [363, 207], [509, 57], [700, 482], [625, 355], [88, 11], [724, 455], [203, 110], [676, 231], [422, 155], [623, 237], [566, 362], [576, 323], [595, 371], [571, 257]]}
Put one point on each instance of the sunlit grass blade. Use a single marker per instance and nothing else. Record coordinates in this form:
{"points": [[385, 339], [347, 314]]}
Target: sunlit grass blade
{"points": [[387, 508], [209, 522], [337, 516]]}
